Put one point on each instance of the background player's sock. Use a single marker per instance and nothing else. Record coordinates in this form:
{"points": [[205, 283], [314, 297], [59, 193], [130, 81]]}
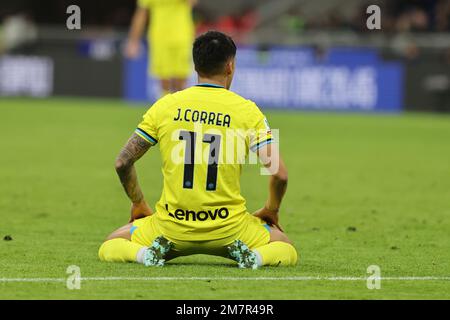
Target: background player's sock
{"points": [[277, 253], [120, 250]]}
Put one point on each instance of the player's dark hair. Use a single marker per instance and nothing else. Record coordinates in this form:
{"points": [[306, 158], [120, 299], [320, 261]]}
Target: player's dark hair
{"points": [[211, 51]]}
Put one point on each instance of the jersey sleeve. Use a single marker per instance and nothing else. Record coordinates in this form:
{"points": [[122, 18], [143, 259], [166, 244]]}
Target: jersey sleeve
{"points": [[260, 132], [148, 128]]}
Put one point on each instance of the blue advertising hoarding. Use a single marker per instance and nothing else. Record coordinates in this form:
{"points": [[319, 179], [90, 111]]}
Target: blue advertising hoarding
{"points": [[349, 79]]}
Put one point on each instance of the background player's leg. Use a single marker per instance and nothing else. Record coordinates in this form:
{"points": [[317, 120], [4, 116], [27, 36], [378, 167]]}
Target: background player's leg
{"points": [[178, 84], [118, 247], [278, 252], [166, 86]]}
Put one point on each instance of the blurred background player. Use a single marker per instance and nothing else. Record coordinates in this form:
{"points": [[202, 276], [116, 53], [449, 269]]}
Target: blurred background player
{"points": [[170, 35]]}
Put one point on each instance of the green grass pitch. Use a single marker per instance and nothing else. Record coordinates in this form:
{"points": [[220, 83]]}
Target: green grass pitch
{"points": [[363, 190]]}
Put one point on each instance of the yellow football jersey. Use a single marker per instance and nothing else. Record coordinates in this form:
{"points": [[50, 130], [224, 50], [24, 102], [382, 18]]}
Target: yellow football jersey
{"points": [[204, 133], [170, 21]]}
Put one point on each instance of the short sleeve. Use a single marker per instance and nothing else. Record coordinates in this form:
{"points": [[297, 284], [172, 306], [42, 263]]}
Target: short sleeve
{"points": [[260, 132], [148, 129]]}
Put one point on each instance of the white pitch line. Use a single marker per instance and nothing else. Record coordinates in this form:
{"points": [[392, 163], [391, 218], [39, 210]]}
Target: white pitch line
{"points": [[305, 278]]}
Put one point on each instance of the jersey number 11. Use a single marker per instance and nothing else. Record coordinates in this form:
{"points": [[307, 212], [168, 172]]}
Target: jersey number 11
{"points": [[189, 158]]}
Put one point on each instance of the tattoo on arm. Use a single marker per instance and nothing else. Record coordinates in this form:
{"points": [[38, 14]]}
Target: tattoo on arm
{"points": [[133, 150]]}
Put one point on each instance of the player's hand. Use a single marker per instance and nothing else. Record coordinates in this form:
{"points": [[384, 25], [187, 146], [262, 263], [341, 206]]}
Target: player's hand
{"points": [[140, 210], [269, 216], [132, 49]]}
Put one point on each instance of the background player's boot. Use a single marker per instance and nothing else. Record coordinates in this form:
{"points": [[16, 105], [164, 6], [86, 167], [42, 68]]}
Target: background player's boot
{"points": [[242, 254], [155, 254]]}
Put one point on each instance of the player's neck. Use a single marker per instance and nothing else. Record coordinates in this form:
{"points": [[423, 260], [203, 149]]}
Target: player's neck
{"points": [[218, 81]]}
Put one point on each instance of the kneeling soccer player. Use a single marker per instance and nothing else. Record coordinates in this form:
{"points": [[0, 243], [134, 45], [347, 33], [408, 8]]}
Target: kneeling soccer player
{"points": [[201, 210]]}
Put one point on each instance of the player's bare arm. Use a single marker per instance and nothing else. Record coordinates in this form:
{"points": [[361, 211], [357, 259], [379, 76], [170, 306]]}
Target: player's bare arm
{"points": [[133, 150], [271, 159], [138, 24]]}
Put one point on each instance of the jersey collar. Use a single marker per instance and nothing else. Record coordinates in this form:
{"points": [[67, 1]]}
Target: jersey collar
{"points": [[209, 85]]}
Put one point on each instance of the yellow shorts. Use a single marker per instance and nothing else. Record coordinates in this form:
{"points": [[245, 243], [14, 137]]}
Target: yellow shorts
{"points": [[252, 231], [169, 61]]}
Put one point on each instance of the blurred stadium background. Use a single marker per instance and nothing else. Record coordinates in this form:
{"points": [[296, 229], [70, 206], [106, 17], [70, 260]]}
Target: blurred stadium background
{"points": [[294, 54]]}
